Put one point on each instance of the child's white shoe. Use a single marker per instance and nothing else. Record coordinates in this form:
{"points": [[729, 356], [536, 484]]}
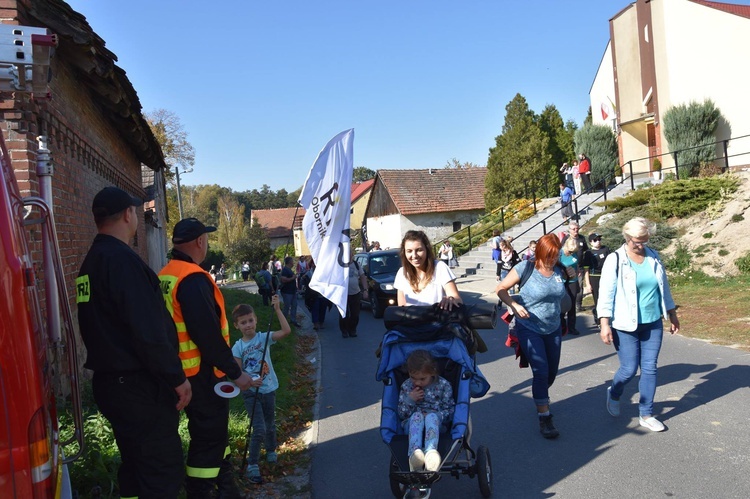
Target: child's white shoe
{"points": [[432, 460], [416, 460]]}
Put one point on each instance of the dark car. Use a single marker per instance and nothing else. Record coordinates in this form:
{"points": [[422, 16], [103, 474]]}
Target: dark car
{"points": [[380, 268]]}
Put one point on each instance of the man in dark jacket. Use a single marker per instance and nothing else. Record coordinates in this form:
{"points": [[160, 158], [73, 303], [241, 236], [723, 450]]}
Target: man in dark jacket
{"points": [[573, 231], [197, 308], [131, 344]]}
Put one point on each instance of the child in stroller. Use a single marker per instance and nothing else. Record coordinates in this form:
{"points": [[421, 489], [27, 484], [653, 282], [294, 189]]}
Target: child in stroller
{"points": [[425, 403], [451, 341]]}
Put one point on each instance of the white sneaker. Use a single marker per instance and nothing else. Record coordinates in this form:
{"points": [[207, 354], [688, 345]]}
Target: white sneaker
{"points": [[432, 460], [651, 423], [416, 460], [613, 406]]}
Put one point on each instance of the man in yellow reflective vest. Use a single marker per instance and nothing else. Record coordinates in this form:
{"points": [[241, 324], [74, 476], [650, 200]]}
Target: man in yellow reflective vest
{"points": [[197, 308]]}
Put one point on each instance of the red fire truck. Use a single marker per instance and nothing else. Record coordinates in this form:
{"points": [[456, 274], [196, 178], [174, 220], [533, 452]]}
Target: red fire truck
{"points": [[38, 363]]}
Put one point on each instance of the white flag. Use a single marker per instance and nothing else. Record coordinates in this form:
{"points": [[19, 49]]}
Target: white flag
{"points": [[327, 199]]}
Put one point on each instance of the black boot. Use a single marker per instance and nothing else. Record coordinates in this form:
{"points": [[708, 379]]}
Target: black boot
{"points": [[200, 488], [225, 481], [547, 428]]}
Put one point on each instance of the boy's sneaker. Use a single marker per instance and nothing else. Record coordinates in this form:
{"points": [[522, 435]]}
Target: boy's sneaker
{"points": [[546, 427], [253, 474], [432, 460], [416, 460], [271, 457], [613, 406], [651, 423]]}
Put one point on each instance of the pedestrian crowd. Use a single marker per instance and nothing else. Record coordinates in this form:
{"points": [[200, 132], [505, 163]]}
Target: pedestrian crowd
{"points": [[159, 344]]}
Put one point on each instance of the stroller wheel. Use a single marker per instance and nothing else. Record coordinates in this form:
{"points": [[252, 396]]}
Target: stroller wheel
{"points": [[484, 471], [397, 489]]}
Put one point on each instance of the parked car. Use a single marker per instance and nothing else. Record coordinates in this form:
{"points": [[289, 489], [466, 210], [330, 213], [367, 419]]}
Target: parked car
{"points": [[380, 268]]}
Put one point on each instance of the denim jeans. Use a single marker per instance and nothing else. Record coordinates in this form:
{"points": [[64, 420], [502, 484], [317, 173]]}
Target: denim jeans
{"points": [[264, 422], [290, 306], [543, 354], [638, 349]]}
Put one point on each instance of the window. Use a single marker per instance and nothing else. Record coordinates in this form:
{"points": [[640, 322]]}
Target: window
{"points": [[456, 226]]}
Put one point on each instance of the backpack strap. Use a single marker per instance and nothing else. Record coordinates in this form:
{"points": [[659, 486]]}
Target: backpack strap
{"points": [[526, 273]]}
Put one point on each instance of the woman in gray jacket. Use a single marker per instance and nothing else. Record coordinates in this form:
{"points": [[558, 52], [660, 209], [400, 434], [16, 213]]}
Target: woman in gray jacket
{"points": [[633, 297]]}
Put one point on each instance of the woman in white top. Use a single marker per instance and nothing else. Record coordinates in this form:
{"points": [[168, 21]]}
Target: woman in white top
{"points": [[422, 280]]}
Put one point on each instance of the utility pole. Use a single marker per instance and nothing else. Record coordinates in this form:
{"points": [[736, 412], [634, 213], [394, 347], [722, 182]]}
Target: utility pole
{"points": [[179, 195]]}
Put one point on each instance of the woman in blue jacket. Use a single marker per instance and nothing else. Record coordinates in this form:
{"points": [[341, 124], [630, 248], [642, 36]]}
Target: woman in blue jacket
{"points": [[633, 297]]}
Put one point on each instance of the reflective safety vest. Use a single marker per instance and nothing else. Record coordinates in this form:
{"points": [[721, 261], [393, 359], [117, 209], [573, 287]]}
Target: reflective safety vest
{"points": [[171, 276]]}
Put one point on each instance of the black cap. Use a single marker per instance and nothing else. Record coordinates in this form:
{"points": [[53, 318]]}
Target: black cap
{"points": [[112, 200], [188, 229], [595, 237]]}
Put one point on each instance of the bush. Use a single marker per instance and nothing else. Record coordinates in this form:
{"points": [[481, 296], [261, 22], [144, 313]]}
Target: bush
{"points": [[743, 263], [600, 145], [723, 252], [689, 130], [680, 260], [708, 235], [683, 198], [737, 218], [656, 166]]}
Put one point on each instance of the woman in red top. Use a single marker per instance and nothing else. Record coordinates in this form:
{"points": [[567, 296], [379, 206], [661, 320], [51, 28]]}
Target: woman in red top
{"points": [[584, 170]]}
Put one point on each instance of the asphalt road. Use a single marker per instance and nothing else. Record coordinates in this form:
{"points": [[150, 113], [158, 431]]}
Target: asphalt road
{"points": [[702, 398]]}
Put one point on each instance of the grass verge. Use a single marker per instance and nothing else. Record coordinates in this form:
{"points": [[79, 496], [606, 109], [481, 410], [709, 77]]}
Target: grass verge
{"points": [[95, 473]]}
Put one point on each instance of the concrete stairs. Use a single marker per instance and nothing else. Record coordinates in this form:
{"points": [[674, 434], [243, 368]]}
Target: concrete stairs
{"points": [[479, 261]]}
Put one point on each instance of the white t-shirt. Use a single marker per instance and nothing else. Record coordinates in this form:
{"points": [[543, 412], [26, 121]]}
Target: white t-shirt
{"points": [[432, 293]]}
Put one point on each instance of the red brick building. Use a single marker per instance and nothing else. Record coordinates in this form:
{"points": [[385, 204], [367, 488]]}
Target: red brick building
{"points": [[97, 135]]}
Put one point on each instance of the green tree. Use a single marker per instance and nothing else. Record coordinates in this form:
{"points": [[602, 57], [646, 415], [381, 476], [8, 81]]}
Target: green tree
{"points": [[551, 123], [599, 143], [231, 233], [692, 126], [456, 164], [520, 155], [172, 138], [589, 120], [362, 174], [258, 246]]}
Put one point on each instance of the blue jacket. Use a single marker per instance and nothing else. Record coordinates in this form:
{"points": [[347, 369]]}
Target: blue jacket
{"points": [[618, 293]]}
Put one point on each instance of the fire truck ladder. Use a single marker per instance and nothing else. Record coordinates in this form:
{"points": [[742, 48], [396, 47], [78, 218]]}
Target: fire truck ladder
{"points": [[25, 54]]}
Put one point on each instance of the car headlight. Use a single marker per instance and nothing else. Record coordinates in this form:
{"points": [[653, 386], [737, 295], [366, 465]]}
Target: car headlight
{"points": [[386, 287]]}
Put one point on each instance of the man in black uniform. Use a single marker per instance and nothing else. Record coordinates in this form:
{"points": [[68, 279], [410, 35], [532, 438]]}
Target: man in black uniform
{"points": [[131, 342], [593, 261], [573, 229], [197, 308]]}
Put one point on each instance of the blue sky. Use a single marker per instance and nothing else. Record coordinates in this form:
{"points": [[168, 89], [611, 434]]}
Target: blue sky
{"points": [[261, 86]]}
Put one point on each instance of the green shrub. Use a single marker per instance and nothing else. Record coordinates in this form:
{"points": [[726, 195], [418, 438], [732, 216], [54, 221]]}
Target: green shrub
{"points": [[743, 263], [723, 252], [708, 235], [680, 260], [683, 198], [600, 145], [656, 165], [689, 130], [737, 218]]}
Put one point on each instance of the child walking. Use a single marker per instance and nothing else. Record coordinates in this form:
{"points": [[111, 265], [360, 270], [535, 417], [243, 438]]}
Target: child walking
{"points": [[248, 352], [425, 403]]}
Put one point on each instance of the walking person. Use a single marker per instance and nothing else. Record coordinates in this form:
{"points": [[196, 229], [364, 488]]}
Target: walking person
{"points": [[634, 295], [197, 308], [446, 253], [132, 347], [574, 231], [584, 170], [423, 280], [495, 245], [289, 290], [566, 198], [537, 322], [357, 290], [508, 259], [569, 260], [593, 261]]}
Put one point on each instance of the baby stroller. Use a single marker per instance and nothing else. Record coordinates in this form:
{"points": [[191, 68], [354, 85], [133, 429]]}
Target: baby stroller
{"points": [[451, 340]]}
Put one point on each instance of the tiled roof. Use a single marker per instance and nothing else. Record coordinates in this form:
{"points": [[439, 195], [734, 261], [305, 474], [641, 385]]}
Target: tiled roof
{"points": [[740, 10], [435, 190], [359, 189], [277, 221]]}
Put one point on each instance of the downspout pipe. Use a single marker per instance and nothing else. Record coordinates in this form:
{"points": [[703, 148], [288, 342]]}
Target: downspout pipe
{"points": [[44, 172]]}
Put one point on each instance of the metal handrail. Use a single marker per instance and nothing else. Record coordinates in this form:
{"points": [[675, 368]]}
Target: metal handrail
{"points": [[48, 224]]}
